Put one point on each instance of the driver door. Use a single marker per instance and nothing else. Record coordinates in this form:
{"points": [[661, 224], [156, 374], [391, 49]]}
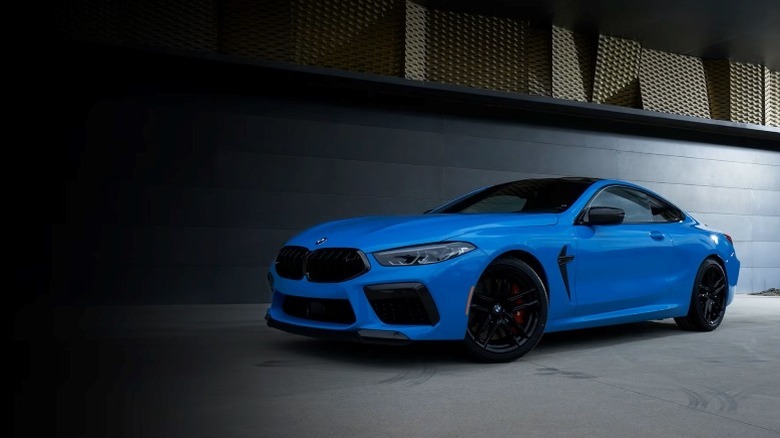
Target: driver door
{"points": [[622, 266]]}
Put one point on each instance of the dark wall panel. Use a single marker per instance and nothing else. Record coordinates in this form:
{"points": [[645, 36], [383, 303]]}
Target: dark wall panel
{"points": [[187, 199], [524, 156], [287, 173], [274, 135]]}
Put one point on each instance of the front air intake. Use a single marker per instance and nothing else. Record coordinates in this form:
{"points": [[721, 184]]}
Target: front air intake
{"points": [[402, 304], [319, 309]]}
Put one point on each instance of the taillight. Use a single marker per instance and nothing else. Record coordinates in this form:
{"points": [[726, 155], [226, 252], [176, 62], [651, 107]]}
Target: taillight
{"points": [[729, 238]]}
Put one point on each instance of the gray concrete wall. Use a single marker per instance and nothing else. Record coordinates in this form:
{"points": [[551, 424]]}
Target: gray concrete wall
{"points": [[187, 200]]}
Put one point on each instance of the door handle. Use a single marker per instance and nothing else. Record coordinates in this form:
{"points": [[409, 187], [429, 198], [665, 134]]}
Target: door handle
{"points": [[657, 235]]}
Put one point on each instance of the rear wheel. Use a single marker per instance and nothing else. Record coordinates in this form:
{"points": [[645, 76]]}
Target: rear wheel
{"points": [[508, 312], [708, 301]]}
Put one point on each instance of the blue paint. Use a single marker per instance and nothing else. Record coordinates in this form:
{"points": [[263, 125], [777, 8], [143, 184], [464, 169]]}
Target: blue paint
{"points": [[620, 273]]}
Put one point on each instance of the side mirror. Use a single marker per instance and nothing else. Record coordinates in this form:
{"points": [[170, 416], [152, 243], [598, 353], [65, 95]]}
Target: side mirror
{"points": [[603, 216]]}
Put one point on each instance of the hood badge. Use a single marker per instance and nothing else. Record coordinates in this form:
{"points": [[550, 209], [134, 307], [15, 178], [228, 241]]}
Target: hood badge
{"points": [[321, 240]]}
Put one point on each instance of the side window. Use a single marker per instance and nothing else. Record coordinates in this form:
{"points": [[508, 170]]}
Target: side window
{"points": [[640, 207], [664, 212], [634, 203]]}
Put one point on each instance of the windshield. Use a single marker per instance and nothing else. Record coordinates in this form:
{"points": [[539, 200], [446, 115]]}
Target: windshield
{"points": [[552, 195]]}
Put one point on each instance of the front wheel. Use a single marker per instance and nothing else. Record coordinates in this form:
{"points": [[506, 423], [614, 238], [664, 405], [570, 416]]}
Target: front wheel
{"points": [[507, 313], [708, 301]]}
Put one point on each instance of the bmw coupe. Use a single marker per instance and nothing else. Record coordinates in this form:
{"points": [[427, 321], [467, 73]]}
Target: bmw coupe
{"points": [[499, 267]]}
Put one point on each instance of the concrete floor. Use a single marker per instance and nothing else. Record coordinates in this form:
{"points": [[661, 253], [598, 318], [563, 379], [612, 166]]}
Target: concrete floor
{"points": [[218, 371]]}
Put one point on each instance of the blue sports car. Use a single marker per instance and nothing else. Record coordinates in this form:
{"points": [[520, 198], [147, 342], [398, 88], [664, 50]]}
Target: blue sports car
{"points": [[501, 266]]}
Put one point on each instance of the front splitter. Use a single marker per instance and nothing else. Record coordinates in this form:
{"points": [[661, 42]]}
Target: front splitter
{"points": [[363, 336]]}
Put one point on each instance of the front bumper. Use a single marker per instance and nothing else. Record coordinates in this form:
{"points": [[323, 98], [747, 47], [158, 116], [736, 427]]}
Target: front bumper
{"points": [[443, 294], [365, 336]]}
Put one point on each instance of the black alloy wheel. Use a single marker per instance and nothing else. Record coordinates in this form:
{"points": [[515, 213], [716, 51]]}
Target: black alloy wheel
{"points": [[708, 302], [508, 312]]}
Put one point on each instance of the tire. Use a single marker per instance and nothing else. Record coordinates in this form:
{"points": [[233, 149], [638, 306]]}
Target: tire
{"points": [[708, 299], [507, 313]]}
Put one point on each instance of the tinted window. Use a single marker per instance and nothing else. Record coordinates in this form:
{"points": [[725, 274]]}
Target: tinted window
{"points": [[663, 211], [527, 196], [640, 207]]}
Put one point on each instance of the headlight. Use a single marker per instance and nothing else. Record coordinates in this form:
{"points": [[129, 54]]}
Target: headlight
{"points": [[424, 254]]}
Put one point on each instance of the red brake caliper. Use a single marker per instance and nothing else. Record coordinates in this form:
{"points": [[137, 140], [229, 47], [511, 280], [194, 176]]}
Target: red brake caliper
{"points": [[520, 314]]}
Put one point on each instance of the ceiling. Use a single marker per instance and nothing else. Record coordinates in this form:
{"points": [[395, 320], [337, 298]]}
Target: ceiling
{"points": [[744, 30]]}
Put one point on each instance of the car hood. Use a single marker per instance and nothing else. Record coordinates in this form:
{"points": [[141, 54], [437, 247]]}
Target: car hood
{"points": [[376, 233]]}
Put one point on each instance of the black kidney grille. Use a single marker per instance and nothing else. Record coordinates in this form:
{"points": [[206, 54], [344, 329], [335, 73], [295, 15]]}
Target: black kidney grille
{"points": [[289, 262], [331, 265], [327, 265]]}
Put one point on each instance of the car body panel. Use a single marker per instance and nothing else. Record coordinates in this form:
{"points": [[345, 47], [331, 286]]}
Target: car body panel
{"points": [[637, 264], [375, 233], [618, 273]]}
